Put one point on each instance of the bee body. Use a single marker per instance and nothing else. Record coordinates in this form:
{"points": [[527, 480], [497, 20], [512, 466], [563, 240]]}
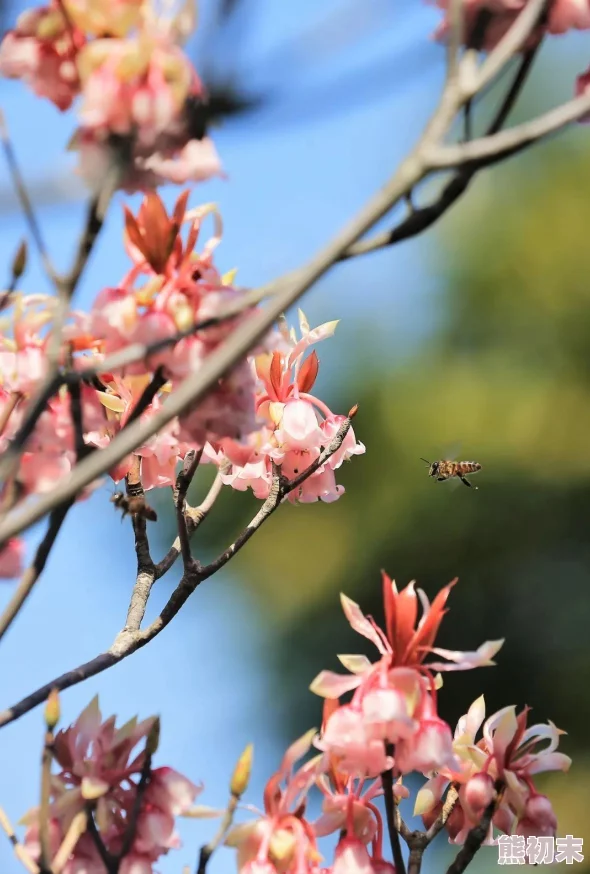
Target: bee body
{"points": [[134, 505], [444, 470]]}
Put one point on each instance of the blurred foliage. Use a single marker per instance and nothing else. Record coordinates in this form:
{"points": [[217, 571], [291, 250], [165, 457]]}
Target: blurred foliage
{"points": [[507, 372]]}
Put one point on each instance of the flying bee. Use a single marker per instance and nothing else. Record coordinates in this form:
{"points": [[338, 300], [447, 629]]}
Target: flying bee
{"points": [[136, 505], [445, 470]]}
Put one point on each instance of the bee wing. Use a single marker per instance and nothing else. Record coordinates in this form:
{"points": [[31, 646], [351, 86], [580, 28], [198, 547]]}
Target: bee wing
{"points": [[452, 451]]}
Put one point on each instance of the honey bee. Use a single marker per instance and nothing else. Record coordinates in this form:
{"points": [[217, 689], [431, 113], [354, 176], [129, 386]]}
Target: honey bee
{"points": [[446, 470], [136, 505]]}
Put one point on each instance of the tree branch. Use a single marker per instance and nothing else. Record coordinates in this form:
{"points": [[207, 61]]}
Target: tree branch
{"points": [[129, 640], [490, 149]]}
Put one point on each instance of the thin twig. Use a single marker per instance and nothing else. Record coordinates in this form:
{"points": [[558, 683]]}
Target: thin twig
{"points": [[78, 826], [491, 149], [145, 577], [441, 820], [185, 477], [130, 640], [19, 851], [144, 779], [110, 862], [208, 849], [44, 813], [249, 332], [194, 517], [25, 200], [396, 850]]}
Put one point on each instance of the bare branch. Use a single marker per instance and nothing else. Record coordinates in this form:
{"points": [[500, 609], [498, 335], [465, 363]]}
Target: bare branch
{"points": [[488, 150], [441, 820], [19, 851], [185, 477], [25, 200], [396, 850], [129, 640], [194, 517], [510, 44], [224, 358]]}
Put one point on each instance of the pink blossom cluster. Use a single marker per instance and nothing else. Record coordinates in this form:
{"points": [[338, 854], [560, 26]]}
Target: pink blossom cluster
{"points": [[138, 92], [260, 414], [391, 723], [97, 770], [491, 19]]}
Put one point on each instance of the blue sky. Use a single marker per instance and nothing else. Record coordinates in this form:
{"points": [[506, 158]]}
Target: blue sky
{"points": [[291, 186]]}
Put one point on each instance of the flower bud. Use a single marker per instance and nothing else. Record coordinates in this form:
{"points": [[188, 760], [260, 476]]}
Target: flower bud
{"points": [[241, 775], [52, 710], [20, 260], [478, 793], [153, 739]]}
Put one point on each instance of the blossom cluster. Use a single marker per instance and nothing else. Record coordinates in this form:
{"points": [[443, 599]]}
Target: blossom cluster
{"points": [[389, 727], [138, 94], [98, 772], [391, 724], [260, 417]]}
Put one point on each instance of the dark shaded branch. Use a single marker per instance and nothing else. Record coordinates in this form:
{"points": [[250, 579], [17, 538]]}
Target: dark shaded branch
{"points": [[396, 850]]}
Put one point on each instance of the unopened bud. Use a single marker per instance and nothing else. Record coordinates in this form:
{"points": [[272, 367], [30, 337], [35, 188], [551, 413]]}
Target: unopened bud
{"points": [[153, 739], [352, 413], [241, 775], [19, 261], [52, 710]]}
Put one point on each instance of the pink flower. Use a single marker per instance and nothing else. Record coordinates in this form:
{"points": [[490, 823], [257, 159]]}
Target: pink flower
{"points": [[297, 425], [42, 51], [96, 768], [142, 88], [539, 818], [281, 839], [351, 857], [12, 557], [508, 752]]}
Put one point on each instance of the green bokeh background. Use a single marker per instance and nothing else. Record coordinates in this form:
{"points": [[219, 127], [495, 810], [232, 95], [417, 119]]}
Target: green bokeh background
{"points": [[505, 369]]}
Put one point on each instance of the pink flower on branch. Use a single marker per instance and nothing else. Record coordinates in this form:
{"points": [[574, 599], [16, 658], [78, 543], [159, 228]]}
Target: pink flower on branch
{"points": [[281, 839], [297, 424], [101, 770], [394, 700], [509, 754]]}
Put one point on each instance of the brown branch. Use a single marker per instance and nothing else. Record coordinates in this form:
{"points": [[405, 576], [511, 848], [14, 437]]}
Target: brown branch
{"points": [[146, 572], [19, 851], [247, 334], [44, 812], [280, 488], [25, 200], [194, 517], [109, 861], [396, 850], [130, 639], [184, 479], [441, 820], [491, 149]]}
